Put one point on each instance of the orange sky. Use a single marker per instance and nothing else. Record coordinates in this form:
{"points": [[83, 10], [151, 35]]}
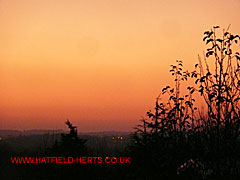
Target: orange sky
{"points": [[100, 63]]}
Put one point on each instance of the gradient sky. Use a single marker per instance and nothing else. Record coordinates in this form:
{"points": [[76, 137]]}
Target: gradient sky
{"points": [[100, 63]]}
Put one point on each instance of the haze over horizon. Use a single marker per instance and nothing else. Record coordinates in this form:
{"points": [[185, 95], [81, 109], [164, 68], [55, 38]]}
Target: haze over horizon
{"points": [[100, 64]]}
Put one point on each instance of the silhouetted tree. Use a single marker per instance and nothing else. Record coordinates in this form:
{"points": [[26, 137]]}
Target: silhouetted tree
{"points": [[178, 140], [218, 80], [70, 144]]}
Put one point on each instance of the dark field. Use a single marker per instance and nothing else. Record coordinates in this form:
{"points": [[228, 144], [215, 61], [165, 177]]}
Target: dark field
{"points": [[41, 145], [105, 143]]}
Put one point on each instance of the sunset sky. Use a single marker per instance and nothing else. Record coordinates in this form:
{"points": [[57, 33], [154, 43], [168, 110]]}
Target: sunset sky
{"points": [[100, 63]]}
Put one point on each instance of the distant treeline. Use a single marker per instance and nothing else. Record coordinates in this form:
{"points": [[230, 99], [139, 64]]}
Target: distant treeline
{"points": [[176, 140]]}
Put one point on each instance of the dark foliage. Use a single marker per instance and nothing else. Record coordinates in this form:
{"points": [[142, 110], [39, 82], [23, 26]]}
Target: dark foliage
{"points": [[71, 144], [177, 140]]}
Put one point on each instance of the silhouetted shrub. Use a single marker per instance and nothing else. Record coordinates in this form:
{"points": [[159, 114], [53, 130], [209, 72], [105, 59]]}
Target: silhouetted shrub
{"points": [[177, 140], [70, 144]]}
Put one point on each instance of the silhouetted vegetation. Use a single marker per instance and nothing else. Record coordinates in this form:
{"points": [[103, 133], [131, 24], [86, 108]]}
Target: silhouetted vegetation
{"points": [[181, 141], [63, 145], [70, 144]]}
